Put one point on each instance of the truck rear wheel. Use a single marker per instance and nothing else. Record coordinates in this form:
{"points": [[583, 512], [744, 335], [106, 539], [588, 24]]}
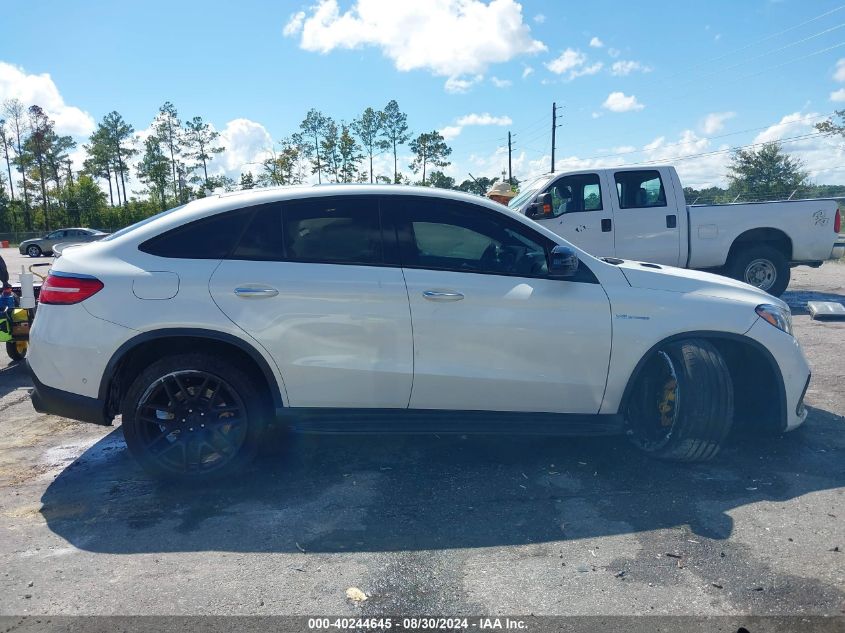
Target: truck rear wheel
{"points": [[192, 417], [764, 267], [681, 407]]}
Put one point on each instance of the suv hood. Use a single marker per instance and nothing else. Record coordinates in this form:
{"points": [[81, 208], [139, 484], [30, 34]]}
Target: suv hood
{"points": [[671, 279]]}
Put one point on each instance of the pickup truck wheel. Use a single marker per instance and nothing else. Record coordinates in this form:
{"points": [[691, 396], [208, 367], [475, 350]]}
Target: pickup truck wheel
{"points": [[764, 267], [192, 417], [681, 406]]}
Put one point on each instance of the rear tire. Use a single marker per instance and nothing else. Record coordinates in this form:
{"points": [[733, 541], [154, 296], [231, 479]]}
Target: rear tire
{"points": [[193, 417], [764, 267], [681, 407]]}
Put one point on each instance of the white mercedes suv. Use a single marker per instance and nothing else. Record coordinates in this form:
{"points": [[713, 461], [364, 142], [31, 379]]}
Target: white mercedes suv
{"points": [[386, 308]]}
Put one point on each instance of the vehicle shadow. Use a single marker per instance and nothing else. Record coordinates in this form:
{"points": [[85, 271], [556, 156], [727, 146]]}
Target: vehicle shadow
{"points": [[797, 299], [357, 493]]}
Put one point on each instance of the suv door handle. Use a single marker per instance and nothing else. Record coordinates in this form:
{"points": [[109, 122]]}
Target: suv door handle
{"points": [[442, 295], [671, 221], [255, 292], [606, 225]]}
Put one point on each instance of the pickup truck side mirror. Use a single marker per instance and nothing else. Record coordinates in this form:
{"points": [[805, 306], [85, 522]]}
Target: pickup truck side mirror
{"points": [[541, 207], [564, 262]]}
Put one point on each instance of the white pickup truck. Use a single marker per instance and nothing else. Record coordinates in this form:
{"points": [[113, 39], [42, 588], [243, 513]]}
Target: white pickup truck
{"points": [[640, 213]]}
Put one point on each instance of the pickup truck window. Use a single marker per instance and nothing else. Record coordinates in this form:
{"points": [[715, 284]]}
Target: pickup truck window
{"points": [[639, 189], [574, 194]]}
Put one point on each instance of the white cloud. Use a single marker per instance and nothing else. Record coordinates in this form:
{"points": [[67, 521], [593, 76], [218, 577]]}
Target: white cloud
{"points": [[40, 90], [568, 60], [246, 142], [500, 83], [596, 43], [539, 18], [715, 121], [459, 85], [614, 52], [574, 63], [626, 67], [592, 69], [528, 70], [452, 131], [619, 102], [294, 24], [484, 119], [839, 73], [450, 38], [596, 115], [838, 95]]}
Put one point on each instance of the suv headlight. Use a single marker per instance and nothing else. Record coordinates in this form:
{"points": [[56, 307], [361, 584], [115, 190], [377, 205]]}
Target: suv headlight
{"points": [[777, 316]]}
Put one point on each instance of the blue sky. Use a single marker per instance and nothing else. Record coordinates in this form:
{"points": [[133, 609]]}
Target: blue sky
{"points": [[701, 76]]}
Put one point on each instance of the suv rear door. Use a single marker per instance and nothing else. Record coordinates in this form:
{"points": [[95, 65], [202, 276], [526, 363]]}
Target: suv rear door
{"points": [[315, 283]]}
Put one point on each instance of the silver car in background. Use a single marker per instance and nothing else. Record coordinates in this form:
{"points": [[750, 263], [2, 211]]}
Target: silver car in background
{"points": [[39, 246]]}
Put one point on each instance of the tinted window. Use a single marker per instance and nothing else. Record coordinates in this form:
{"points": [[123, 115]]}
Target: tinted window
{"points": [[262, 238], [333, 230], [574, 194], [637, 189], [448, 235], [55, 235], [209, 238]]}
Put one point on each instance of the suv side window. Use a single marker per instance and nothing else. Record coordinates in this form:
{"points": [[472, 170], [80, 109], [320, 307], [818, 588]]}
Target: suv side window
{"points": [[640, 189], [262, 238], [446, 235], [575, 194], [209, 238], [342, 230]]}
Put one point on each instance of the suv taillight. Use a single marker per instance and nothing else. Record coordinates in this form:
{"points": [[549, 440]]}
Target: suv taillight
{"points": [[837, 222], [68, 289]]}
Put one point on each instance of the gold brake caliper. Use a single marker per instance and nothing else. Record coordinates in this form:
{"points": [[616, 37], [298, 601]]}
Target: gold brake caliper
{"points": [[667, 403]]}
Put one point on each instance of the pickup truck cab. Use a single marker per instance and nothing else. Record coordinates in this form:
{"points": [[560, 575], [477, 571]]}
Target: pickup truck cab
{"points": [[640, 213]]}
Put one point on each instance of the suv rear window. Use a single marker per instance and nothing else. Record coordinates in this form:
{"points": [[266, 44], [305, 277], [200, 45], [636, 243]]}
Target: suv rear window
{"points": [[333, 230], [208, 238]]}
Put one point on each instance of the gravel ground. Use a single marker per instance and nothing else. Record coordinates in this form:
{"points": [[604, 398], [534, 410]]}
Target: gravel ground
{"points": [[434, 525]]}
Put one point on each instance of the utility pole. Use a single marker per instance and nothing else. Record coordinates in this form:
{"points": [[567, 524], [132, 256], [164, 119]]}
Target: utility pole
{"points": [[510, 172], [554, 127]]}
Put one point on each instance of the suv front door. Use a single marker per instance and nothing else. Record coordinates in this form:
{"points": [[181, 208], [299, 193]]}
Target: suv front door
{"points": [[491, 330], [313, 281]]}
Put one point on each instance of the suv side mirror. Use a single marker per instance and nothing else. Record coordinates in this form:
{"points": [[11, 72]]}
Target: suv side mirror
{"points": [[564, 262], [541, 207]]}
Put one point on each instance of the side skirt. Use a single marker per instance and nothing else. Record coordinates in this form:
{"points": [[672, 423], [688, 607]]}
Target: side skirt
{"points": [[427, 421]]}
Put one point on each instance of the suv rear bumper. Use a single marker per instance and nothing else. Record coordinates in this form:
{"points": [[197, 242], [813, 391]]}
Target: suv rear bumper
{"points": [[68, 405]]}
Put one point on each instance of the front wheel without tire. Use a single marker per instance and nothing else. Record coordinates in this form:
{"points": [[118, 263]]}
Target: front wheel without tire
{"points": [[764, 267], [681, 407], [193, 417]]}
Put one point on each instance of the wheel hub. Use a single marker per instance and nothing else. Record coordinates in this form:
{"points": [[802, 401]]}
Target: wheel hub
{"points": [[761, 273]]}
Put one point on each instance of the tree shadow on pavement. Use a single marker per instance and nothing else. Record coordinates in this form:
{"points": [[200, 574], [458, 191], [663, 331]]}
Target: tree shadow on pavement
{"points": [[398, 493]]}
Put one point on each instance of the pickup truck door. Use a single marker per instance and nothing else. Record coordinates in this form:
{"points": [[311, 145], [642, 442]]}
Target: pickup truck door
{"points": [[645, 216], [580, 213]]}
